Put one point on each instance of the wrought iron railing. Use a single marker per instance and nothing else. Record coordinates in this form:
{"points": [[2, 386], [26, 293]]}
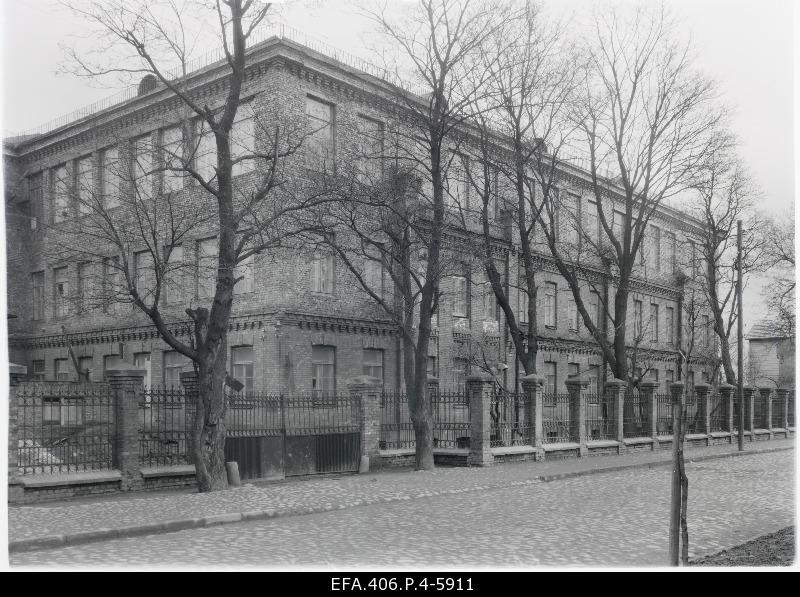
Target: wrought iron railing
{"points": [[635, 419], [693, 421], [556, 419], [510, 416], [599, 422], [760, 411], [165, 433], [663, 414], [396, 430], [790, 410], [718, 413], [777, 411], [64, 427], [451, 422]]}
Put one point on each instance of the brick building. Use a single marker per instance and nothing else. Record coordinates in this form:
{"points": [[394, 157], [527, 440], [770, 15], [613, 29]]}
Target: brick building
{"points": [[300, 322]]}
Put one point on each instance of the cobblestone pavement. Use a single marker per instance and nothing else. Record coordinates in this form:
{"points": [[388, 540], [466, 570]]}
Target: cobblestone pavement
{"points": [[609, 519], [25, 522]]}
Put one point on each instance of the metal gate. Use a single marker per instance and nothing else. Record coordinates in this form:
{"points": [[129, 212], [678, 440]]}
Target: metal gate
{"points": [[278, 436]]}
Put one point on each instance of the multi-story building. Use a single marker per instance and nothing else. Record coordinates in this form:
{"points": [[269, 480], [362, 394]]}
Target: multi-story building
{"points": [[299, 322]]}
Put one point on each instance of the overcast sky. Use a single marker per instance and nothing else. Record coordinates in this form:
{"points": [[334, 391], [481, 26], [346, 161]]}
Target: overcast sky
{"points": [[747, 46]]}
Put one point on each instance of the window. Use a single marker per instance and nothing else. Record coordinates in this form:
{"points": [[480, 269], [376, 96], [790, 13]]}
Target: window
{"points": [[143, 168], [61, 198], [172, 158], [145, 275], [570, 223], [591, 224], [522, 297], [572, 369], [38, 370], [61, 369], [36, 195], [653, 374], [705, 331], [111, 286], [693, 258], [654, 249], [111, 177], [206, 268], [637, 320], [370, 151], [242, 357], [460, 297], [489, 303], [617, 225], [323, 371], [690, 380], [174, 362], [110, 361], [322, 274], [460, 367], [653, 322], [85, 364], [670, 325], [572, 313], [669, 252], [704, 376], [246, 271], [669, 377], [243, 141], [175, 286], [205, 156], [141, 360], [456, 195], [432, 369], [85, 285], [62, 411], [37, 281], [85, 184], [373, 272], [373, 363], [320, 142], [550, 305], [61, 291], [595, 309], [549, 377]]}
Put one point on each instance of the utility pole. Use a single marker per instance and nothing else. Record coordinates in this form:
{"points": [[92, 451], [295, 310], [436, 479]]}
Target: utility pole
{"points": [[740, 335]]}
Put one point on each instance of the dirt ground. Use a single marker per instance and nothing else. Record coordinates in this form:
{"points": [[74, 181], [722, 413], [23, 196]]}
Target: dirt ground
{"points": [[777, 549]]}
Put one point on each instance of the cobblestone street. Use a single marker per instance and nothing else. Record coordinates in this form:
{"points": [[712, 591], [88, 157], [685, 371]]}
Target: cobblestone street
{"points": [[609, 519]]}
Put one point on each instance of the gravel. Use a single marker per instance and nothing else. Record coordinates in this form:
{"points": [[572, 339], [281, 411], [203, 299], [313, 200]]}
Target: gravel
{"points": [[776, 549]]}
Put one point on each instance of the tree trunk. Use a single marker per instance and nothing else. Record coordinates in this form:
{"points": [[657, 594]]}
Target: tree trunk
{"points": [[209, 424], [620, 367]]}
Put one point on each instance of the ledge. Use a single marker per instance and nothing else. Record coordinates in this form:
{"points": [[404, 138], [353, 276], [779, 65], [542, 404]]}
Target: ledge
{"points": [[168, 471], [664, 438], [398, 452], [69, 479], [719, 434], [691, 436], [761, 431], [452, 451], [633, 441], [602, 443], [561, 446], [503, 450]]}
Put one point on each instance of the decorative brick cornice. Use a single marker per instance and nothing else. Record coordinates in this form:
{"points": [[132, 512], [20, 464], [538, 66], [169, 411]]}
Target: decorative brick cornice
{"points": [[307, 321]]}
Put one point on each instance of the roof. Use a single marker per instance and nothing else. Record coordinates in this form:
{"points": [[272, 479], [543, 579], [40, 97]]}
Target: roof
{"points": [[767, 328]]}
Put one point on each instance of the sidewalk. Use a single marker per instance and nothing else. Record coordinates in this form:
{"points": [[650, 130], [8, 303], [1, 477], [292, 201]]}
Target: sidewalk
{"points": [[51, 525]]}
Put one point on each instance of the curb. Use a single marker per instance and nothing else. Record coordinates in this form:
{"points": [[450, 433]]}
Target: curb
{"points": [[171, 526]]}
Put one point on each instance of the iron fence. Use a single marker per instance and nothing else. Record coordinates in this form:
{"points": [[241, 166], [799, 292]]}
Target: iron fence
{"points": [[451, 416], [692, 418], [253, 415], [599, 417], [777, 411], [510, 415], [65, 427], [635, 415], [718, 413], [760, 411], [663, 414], [790, 410], [556, 419], [396, 430], [166, 427]]}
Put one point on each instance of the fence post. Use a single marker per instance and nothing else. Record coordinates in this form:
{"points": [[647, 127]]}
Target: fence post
{"points": [[703, 396], [749, 409], [368, 389], [647, 396], [782, 396], [15, 375], [479, 388], [766, 410], [616, 389], [125, 384], [726, 397], [533, 387], [576, 386], [189, 385]]}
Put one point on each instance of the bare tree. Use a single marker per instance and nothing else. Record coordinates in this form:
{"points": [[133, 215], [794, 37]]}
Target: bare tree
{"points": [[644, 122], [220, 170], [779, 259]]}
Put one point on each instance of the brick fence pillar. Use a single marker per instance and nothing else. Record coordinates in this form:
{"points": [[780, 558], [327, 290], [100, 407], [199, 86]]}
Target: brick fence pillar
{"points": [[125, 387], [189, 385], [749, 394], [533, 387], [368, 390], [15, 374], [479, 389], [782, 397], [702, 393], [647, 396], [726, 397], [615, 390], [576, 386], [766, 410]]}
